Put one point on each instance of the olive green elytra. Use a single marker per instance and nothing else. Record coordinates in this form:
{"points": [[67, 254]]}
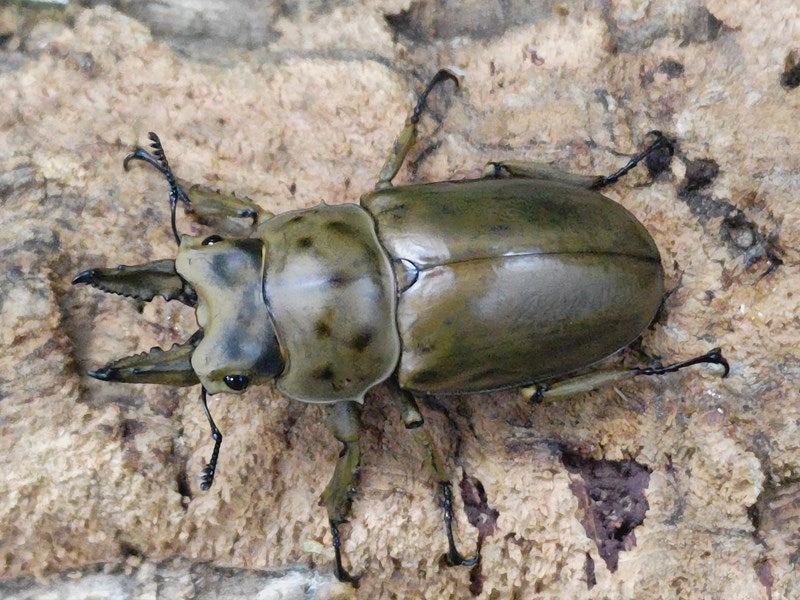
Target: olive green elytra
{"points": [[522, 277]]}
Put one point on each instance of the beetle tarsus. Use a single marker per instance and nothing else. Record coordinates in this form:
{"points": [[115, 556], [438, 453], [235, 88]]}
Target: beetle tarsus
{"points": [[712, 357], [211, 468], [158, 159], [338, 568], [143, 155], [441, 75], [661, 141], [453, 556]]}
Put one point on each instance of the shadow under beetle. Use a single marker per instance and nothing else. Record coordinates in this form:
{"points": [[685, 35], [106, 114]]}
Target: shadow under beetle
{"points": [[523, 276]]}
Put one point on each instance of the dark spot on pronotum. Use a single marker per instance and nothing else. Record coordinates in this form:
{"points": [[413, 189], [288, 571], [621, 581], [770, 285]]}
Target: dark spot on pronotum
{"points": [[296, 219], [323, 373], [305, 242], [341, 227], [361, 340], [671, 68], [790, 78], [339, 279], [322, 329]]}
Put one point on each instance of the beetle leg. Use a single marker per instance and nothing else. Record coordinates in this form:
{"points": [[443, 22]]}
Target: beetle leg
{"points": [[592, 381], [208, 204], [201, 201], [168, 367], [534, 170], [338, 495], [143, 282], [210, 469], [408, 136], [414, 423]]}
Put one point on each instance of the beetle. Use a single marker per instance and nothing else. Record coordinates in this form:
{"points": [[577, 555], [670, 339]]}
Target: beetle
{"points": [[523, 278]]}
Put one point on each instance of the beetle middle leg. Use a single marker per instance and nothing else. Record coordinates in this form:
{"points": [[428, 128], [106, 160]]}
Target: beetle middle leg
{"points": [[201, 201], [535, 170], [338, 495], [597, 379], [414, 423], [408, 136]]}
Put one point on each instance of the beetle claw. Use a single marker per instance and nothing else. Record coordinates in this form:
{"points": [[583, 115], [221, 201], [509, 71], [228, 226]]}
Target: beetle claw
{"points": [[715, 357], [455, 559], [338, 569], [143, 155]]}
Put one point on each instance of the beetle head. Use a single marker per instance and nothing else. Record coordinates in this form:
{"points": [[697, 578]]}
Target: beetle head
{"points": [[239, 345], [236, 344]]}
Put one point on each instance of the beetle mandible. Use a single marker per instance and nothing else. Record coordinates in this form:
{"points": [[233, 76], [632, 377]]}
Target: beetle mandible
{"points": [[516, 279]]}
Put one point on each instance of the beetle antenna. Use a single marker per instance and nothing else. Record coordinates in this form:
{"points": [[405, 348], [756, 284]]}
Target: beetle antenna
{"points": [[211, 468], [159, 161]]}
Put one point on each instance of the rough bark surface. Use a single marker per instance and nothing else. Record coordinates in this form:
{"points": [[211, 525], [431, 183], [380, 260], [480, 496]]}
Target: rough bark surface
{"points": [[299, 103]]}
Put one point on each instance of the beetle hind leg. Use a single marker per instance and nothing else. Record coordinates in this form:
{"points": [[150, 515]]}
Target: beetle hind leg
{"points": [[597, 379], [413, 421], [338, 495], [534, 170]]}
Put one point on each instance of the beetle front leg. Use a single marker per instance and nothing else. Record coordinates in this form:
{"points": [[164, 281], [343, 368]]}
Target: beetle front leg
{"points": [[535, 170], [200, 201], [408, 136], [338, 495], [598, 379], [413, 421]]}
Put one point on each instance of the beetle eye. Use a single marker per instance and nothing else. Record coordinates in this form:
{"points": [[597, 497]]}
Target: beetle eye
{"points": [[211, 240], [237, 382]]}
